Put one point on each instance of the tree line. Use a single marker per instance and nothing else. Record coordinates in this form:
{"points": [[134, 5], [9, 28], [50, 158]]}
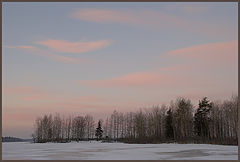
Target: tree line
{"points": [[51, 128], [180, 121]]}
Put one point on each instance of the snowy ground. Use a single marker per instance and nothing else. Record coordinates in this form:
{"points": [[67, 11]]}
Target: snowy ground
{"points": [[116, 151]]}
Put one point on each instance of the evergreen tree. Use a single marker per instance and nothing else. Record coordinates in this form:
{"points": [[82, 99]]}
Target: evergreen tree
{"points": [[169, 126], [201, 118], [99, 131]]}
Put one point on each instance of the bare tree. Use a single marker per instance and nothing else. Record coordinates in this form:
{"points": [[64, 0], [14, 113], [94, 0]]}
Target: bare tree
{"points": [[89, 126], [79, 125]]}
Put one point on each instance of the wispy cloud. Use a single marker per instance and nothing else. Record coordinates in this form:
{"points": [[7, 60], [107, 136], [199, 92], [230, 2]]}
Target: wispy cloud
{"points": [[27, 93], [58, 57], [34, 93], [135, 17], [62, 46], [139, 79], [74, 47], [21, 46], [216, 53], [106, 16], [148, 18], [50, 55]]}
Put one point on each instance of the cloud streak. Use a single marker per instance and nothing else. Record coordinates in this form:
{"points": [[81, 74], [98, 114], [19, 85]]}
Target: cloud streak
{"points": [[105, 16], [21, 47], [217, 53], [74, 47], [62, 46], [139, 79], [27, 93], [137, 17], [148, 18], [53, 56]]}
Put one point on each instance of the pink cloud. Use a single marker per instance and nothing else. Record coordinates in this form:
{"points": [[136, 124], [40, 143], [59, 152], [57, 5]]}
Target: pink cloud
{"points": [[21, 46], [52, 56], [220, 52], [149, 18], [75, 47], [169, 78], [30, 93], [134, 79], [105, 15], [26, 47], [137, 17], [60, 58], [27, 93], [20, 90]]}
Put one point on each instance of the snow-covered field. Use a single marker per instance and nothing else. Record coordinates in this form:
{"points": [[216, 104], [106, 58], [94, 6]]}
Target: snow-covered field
{"points": [[116, 151]]}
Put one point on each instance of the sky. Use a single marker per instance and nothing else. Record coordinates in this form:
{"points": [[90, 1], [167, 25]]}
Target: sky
{"points": [[93, 58]]}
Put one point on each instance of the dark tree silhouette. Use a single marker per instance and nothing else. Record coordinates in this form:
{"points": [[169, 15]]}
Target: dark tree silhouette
{"points": [[99, 131], [202, 118], [169, 124]]}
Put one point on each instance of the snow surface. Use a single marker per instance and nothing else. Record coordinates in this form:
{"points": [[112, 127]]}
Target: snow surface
{"points": [[116, 151]]}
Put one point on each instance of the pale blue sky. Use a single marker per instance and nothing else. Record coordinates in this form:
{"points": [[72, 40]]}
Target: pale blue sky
{"points": [[141, 36]]}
